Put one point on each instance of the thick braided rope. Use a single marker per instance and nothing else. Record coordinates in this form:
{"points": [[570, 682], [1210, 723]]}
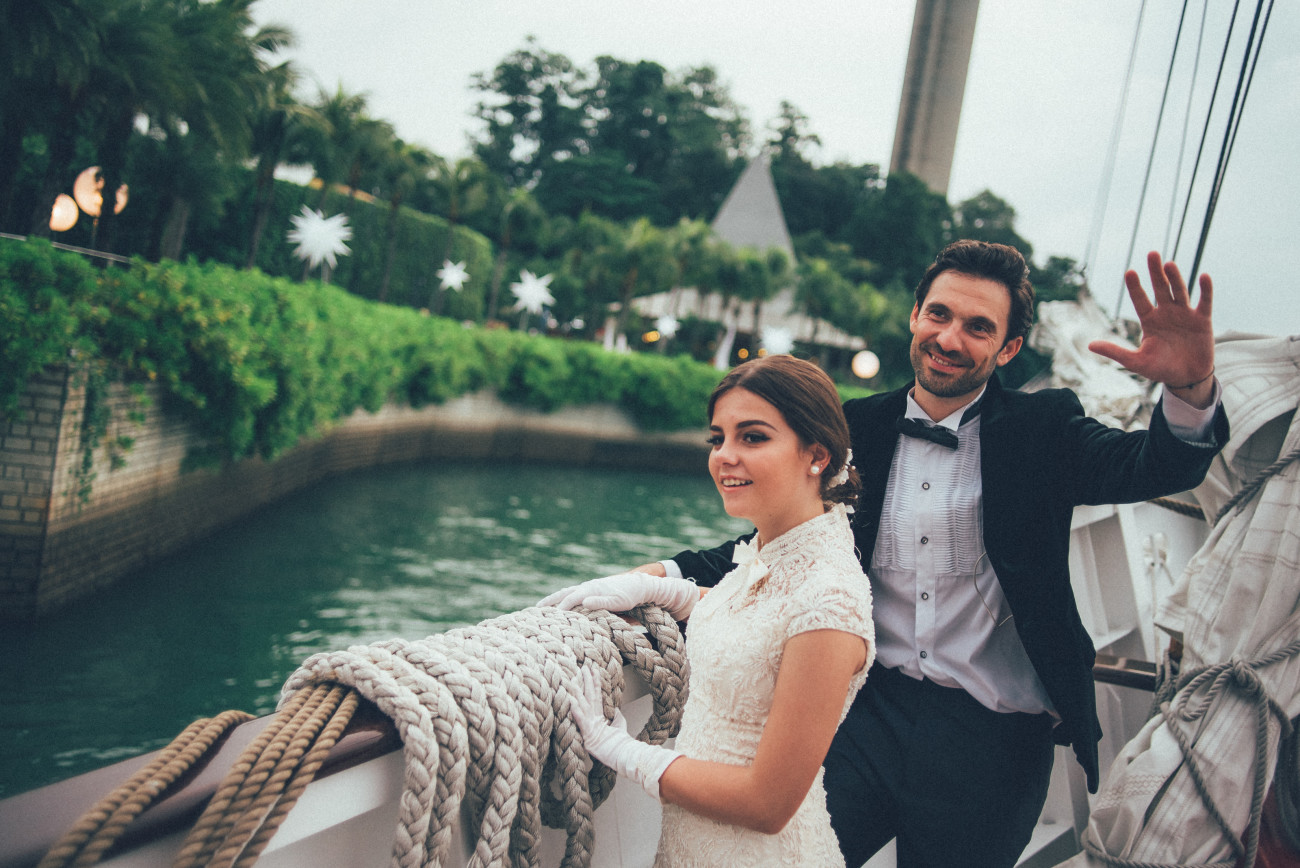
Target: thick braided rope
{"points": [[451, 732], [566, 801], [104, 823], [536, 723], [243, 782], [501, 801], [426, 760], [512, 679], [479, 719], [662, 665], [1214, 680], [274, 773], [435, 770], [303, 775], [589, 639], [1179, 506]]}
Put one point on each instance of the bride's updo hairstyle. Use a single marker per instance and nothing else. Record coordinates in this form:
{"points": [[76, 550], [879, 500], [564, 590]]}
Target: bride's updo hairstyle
{"points": [[807, 399]]}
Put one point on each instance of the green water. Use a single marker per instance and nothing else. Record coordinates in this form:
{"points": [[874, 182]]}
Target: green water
{"points": [[405, 551]]}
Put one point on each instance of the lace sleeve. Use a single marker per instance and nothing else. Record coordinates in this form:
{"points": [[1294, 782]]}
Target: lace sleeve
{"points": [[831, 605]]}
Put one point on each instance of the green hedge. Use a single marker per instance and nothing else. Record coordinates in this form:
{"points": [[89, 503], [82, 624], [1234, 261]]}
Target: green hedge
{"points": [[258, 362], [421, 243]]}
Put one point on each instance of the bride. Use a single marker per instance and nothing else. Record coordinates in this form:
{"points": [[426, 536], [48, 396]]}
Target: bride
{"points": [[778, 649]]}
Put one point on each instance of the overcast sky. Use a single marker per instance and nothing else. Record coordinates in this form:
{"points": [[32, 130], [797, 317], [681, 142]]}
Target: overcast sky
{"points": [[1042, 94]]}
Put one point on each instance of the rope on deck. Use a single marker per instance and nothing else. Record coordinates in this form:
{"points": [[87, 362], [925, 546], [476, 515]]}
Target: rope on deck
{"points": [[103, 824], [483, 713]]}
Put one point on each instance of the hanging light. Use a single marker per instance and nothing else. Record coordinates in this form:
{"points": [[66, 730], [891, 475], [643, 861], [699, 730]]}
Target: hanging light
{"points": [[88, 190], [866, 364], [64, 214]]}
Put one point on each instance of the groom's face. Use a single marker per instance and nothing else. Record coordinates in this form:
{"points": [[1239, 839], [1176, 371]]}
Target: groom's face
{"points": [[959, 334]]}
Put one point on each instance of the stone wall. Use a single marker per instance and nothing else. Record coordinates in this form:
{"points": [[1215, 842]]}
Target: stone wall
{"points": [[57, 545]]}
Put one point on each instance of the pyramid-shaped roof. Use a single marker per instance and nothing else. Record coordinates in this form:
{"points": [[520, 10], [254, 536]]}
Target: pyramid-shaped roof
{"points": [[751, 214]]}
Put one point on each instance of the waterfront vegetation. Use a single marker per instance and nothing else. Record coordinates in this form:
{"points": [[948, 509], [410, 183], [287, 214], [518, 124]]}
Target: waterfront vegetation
{"points": [[259, 362]]}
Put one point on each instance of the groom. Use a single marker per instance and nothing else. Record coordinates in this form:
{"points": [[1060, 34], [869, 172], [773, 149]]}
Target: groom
{"points": [[963, 526]]}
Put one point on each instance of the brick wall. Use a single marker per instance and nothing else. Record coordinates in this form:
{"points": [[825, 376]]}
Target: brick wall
{"points": [[56, 545]]}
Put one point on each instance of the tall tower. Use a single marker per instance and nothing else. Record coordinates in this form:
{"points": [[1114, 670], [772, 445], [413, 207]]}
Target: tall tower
{"points": [[933, 85]]}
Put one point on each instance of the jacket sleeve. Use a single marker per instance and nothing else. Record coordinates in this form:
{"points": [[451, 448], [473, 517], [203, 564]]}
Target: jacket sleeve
{"points": [[708, 567], [1117, 467]]}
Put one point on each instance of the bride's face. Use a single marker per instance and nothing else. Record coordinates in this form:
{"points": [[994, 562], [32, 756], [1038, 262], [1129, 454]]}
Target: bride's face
{"points": [[762, 470]]}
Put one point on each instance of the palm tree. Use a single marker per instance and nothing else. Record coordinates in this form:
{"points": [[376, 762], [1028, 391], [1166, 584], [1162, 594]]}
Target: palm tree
{"points": [[331, 147], [139, 70], [519, 221], [405, 167], [46, 49], [459, 190], [51, 89], [228, 61], [587, 246], [280, 126], [765, 275], [644, 264], [821, 291]]}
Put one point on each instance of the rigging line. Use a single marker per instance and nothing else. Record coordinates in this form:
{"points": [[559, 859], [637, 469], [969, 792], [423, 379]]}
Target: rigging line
{"points": [[1205, 128], [1235, 123], [1108, 169], [1172, 252], [1151, 157]]}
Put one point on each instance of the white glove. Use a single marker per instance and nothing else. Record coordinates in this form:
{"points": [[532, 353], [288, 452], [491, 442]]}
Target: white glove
{"points": [[627, 591], [610, 742]]}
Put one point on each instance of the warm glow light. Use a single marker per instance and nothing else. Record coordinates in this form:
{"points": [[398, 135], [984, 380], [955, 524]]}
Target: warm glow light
{"points": [[743, 353], [866, 364], [650, 336], [88, 190], [64, 214]]}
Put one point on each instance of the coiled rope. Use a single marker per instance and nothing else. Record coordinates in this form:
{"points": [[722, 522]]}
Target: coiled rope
{"points": [[483, 713], [1211, 681]]}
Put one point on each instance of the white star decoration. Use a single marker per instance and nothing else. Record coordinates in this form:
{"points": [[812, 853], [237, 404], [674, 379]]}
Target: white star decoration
{"points": [[666, 325], [531, 292], [453, 275], [320, 238], [778, 341]]}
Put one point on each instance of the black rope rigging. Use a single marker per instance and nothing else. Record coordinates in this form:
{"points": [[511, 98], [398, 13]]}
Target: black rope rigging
{"points": [[1187, 126], [1155, 139], [1241, 92], [1205, 128], [1244, 80], [1108, 170]]}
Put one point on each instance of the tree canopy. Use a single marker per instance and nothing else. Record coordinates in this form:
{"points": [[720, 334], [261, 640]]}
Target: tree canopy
{"points": [[603, 176]]}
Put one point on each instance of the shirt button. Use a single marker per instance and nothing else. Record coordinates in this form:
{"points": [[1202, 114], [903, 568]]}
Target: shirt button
{"points": [[925, 486], [924, 540], [924, 595], [923, 655]]}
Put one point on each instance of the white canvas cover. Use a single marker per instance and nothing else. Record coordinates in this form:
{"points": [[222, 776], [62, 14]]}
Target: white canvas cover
{"points": [[1237, 611]]}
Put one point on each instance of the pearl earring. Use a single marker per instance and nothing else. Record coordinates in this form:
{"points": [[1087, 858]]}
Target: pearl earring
{"points": [[816, 469]]}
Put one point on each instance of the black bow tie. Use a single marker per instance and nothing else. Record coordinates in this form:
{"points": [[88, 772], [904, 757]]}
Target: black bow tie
{"points": [[933, 433]]}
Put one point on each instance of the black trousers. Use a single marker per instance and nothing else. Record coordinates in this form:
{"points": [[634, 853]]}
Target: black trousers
{"points": [[955, 783]]}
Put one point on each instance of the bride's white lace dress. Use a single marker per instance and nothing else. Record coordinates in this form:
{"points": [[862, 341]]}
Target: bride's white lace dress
{"points": [[734, 642]]}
